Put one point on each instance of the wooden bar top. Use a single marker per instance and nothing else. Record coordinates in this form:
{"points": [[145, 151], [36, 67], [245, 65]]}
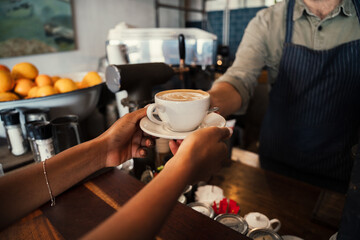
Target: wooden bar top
{"points": [[305, 211], [84, 206]]}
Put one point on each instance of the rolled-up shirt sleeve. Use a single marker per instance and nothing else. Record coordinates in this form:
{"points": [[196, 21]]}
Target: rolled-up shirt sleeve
{"points": [[249, 60]]}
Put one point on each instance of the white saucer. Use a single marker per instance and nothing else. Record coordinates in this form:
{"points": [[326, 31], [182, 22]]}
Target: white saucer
{"points": [[151, 128]]}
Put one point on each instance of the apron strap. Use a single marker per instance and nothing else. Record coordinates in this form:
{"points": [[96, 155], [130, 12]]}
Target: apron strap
{"points": [[357, 8]]}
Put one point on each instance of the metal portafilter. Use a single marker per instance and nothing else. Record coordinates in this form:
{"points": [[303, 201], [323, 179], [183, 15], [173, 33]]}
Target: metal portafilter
{"points": [[138, 81]]}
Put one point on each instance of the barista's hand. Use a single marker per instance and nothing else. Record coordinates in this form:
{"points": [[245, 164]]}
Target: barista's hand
{"points": [[125, 140], [197, 158]]}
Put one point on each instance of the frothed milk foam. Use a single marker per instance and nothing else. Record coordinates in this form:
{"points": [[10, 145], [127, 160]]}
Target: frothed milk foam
{"points": [[180, 110], [182, 95]]}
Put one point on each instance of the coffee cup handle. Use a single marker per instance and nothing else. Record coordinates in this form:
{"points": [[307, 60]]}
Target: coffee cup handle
{"points": [[276, 221], [150, 114]]}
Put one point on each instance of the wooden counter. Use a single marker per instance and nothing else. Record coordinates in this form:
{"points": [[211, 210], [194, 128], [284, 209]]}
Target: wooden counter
{"points": [[83, 207], [304, 210]]}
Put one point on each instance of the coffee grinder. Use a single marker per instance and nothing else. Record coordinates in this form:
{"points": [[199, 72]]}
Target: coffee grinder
{"points": [[133, 87]]}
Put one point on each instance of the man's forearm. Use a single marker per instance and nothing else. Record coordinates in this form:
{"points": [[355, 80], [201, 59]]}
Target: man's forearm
{"points": [[226, 97]]}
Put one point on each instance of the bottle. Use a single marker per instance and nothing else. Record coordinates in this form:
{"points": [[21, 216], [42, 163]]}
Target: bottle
{"points": [[16, 140], [31, 138], [2, 114], [44, 140]]}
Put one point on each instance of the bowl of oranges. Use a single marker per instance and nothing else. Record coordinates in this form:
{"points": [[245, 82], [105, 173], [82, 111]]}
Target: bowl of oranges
{"points": [[73, 93]]}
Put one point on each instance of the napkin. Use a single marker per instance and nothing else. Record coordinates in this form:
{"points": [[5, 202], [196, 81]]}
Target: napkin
{"points": [[208, 194]]}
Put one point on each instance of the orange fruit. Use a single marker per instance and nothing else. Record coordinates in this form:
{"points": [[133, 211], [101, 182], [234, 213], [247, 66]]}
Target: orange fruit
{"points": [[43, 80], [55, 78], [33, 92], [24, 70], [6, 81], [8, 96], [4, 68], [82, 84], [65, 85], [23, 86], [45, 91], [91, 79]]}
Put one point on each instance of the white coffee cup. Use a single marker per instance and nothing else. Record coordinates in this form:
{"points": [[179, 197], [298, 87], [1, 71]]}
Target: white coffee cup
{"points": [[180, 110], [259, 220]]}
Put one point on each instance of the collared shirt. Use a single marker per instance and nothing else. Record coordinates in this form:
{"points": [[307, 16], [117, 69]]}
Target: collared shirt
{"points": [[263, 40]]}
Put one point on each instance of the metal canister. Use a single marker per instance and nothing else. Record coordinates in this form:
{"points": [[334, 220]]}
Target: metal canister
{"points": [[263, 233], [188, 193], [182, 199], [234, 222], [202, 208], [36, 114]]}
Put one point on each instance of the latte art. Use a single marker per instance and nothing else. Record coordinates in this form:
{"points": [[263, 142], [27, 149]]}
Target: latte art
{"points": [[181, 96]]}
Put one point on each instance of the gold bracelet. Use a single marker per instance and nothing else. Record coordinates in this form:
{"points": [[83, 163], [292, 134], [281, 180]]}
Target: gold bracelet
{"points": [[48, 186]]}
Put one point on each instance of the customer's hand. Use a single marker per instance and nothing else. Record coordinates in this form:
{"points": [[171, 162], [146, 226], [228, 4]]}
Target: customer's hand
{"points": [[125, 140], [201, 153]]}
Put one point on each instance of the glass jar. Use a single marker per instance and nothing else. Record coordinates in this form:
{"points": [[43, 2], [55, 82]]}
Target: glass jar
{"points": [[2, 114], [14, 135], [31, 138], [44, 140]]}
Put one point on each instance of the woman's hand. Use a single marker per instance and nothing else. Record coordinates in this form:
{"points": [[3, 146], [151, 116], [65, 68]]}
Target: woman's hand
{"points": [[125, 140], [201, 153]]}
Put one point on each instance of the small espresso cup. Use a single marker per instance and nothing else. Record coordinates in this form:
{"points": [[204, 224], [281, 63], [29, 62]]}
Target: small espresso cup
{"points": [[180, 110]]}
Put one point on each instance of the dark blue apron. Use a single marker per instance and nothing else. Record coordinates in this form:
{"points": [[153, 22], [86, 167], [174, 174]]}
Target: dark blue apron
{"points": [[313, 115]]}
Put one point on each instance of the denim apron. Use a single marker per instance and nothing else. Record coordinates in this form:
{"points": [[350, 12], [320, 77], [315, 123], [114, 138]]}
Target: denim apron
{"points": [[313, 115]]}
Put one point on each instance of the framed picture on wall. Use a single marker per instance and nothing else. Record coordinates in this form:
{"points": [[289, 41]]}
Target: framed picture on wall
{"points": [[35, 27]]}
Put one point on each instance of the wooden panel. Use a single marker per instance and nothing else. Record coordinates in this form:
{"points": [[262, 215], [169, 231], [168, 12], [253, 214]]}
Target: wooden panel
{"points": [[33, 227], [76, 212]]}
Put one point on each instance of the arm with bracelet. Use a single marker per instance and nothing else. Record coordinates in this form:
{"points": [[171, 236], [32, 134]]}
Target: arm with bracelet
{"points": [[124, 140], [26, 189]]}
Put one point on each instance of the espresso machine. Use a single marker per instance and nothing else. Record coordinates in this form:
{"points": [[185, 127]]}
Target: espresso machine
{"points": [[188, 51]]}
